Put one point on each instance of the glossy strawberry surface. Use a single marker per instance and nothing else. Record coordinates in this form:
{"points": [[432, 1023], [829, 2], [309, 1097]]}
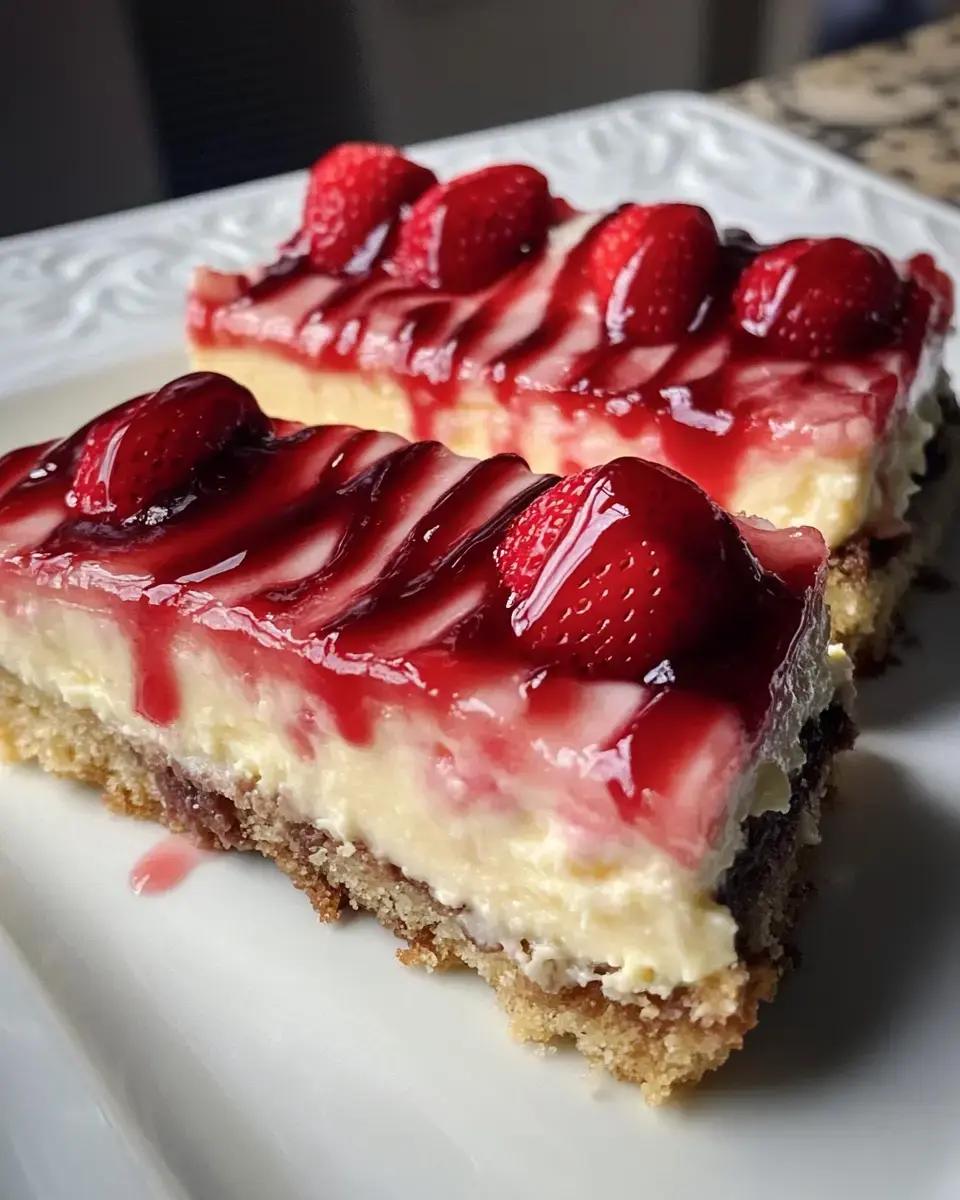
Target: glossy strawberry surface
{"points": [[654, 267], [355, 195], [466, 234], [611, 569], [820, 299], [154, 445]]}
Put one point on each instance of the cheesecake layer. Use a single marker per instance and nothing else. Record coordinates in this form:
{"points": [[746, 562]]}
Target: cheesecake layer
{"points": [[575, 742], [520, 873], [571, 732], [864, 488], [530, 365], [660, 1044]]}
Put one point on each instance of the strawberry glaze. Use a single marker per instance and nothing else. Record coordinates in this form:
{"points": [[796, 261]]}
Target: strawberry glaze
{"points": [[705, 405], [360, 569], [165, 866]]}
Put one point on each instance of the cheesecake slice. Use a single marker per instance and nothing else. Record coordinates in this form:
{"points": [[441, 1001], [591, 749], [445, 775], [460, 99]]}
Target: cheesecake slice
{"points": [[574, 734], [800, 382]]}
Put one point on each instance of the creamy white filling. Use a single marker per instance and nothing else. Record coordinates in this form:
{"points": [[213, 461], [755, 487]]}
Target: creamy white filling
{"points": [[820, 674], [512, 867], [841, 494]]}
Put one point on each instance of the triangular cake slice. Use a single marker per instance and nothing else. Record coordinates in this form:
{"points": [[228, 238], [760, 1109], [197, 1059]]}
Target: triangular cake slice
{"points": [[572, 733]]}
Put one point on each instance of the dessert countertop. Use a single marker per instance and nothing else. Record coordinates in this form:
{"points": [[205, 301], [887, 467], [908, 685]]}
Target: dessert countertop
{"points": [[894, 106]]}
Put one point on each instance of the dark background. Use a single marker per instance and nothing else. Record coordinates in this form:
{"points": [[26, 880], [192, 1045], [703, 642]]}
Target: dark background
{"points": [[107, 104]]}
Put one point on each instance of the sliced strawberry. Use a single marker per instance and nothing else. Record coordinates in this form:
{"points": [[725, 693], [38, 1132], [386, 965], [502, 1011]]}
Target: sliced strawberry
{"points": [[533, 535], [819, 298], [652, 267], [610, 568], [154, 445], [463, 235], [354, 195], [764, 283]]}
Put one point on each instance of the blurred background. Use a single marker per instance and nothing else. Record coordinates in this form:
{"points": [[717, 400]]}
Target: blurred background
{"points": [[107, 104]]}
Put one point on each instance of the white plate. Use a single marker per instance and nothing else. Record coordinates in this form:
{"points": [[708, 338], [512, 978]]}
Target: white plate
{"points": [[218, 1043]]}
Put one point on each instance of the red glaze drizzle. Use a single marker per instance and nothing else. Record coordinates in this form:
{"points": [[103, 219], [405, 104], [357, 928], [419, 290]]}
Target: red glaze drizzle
{"points": [[361, 569], [703, 406]]}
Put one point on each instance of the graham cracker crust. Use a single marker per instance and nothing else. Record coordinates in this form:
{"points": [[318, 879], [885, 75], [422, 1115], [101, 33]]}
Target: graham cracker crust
{"points": [[868, 579], [658, 1043]]}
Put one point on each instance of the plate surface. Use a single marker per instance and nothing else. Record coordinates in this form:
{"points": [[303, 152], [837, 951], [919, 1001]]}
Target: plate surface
{"points": [[218, 1043]]}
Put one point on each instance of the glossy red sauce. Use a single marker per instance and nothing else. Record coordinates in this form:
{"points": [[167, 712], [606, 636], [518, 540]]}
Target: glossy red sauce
{"points": [[165, 866], [359, 569], [706, 406]]}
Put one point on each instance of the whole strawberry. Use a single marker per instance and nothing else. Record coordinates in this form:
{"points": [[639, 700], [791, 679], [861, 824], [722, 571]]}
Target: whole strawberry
{"points": [[464, 235], [819, 298], [621, 567], [652, 267], [354, 196], [154, 446]]}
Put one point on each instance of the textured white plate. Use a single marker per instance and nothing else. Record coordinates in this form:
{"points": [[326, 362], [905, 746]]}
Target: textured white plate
{"points": [[217, 1043]]}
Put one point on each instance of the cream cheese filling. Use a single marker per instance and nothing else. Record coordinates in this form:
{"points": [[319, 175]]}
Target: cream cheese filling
{"points": [[839, 494], [510, 872]]}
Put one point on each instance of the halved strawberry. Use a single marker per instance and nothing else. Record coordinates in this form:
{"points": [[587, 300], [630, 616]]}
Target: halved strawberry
{"points": [[463, 235], [354, 195], [652, 267], [535, 532], [621, 567], [155, 445], [819, 298]]}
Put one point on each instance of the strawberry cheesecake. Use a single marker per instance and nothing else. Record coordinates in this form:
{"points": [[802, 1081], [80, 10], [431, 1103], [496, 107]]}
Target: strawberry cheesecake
{"points": [[801, 382], [572, 733]]}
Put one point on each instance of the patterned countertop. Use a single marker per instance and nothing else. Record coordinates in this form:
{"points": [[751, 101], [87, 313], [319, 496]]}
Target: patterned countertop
{"points": [[894, 106]]}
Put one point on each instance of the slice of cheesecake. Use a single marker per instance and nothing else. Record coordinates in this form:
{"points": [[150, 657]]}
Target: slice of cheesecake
{"points": [[574, 734], [801, 382]]}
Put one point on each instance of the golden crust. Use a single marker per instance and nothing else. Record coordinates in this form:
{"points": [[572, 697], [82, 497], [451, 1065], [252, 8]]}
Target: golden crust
{"points": [[657, 1043]]}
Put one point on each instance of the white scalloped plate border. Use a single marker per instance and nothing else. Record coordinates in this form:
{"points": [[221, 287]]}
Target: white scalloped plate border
{"points": [[115, 283], [217, 1044]]}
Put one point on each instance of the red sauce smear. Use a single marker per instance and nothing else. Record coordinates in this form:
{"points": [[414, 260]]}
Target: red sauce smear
{"points": [[165, 866]]}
